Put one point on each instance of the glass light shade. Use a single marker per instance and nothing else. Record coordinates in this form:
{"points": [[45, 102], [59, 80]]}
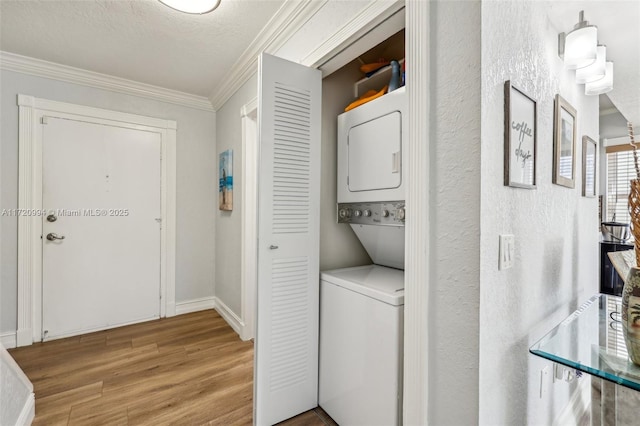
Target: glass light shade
{"points": [[192, 6], [596, 70], [580, 47], [604, 85]]}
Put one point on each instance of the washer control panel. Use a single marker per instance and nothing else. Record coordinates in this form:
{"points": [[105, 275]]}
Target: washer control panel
{"points": [[390, 213]]}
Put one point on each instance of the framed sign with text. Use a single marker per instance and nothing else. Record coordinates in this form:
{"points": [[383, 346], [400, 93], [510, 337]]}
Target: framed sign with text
{"points": [[520, 117]]}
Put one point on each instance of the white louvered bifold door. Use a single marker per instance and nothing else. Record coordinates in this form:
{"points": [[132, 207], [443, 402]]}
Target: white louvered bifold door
{"points": [[286, 356]]}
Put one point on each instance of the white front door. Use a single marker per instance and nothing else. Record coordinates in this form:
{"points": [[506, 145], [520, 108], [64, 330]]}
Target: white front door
{"points": [[101, 246], [286, 356]]}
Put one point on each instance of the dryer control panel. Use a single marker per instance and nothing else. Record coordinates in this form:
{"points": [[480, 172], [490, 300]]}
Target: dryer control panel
{"points": [[389, 213]]}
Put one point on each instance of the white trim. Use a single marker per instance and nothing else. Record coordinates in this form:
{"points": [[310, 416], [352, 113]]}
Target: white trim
{"points": [[376, 12], [280, 28], [195, 305], [28, 412], [31, 110], [37, 67], [577, 406], [8, 340], [229, 316], [418, 272], [249, 218]]}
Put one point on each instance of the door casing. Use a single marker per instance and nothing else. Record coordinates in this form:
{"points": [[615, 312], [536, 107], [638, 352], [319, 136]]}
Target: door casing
{"points": [[31, 113]]}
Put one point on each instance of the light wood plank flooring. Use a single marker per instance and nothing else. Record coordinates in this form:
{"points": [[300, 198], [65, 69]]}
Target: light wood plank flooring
{"points": [[189, 369]]}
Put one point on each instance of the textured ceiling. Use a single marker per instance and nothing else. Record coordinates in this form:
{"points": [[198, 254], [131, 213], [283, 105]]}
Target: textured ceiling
{"points": [[140, 40], [618, 23]]}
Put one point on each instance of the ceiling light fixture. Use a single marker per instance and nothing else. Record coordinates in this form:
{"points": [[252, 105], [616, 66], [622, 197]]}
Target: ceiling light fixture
{"points": [[197, 7], [579, 47], [596, 70], [604, 85]]}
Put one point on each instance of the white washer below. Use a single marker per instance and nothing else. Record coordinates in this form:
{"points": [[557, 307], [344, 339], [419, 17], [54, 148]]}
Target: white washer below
{"points": [[361, 345]]}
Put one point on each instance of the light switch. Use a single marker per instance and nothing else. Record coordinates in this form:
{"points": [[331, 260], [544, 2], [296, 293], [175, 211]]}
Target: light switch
{"points": [[506, 251]]}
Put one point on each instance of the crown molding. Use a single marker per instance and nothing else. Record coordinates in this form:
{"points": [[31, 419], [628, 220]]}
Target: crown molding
{"points": [[376, 12], [37, 67], [280, 28]]}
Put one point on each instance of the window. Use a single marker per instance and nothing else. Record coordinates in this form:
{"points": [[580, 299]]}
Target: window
{"points": [[620, 170]]}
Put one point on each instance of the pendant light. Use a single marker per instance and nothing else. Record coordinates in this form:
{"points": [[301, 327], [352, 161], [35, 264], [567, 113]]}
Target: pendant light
{"points": [[595, 71], [197, 7], [604, 85], [579, 47]]}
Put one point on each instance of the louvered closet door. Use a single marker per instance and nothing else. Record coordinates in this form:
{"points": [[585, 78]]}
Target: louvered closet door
{"points": [[286, 373]]}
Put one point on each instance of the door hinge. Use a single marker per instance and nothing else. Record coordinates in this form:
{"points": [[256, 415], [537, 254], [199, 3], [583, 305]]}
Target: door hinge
{"points": [[44, 120]]}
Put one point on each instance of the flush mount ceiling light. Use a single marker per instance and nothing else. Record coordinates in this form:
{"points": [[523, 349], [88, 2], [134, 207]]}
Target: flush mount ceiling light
{"points": [[198, 7], [596, 70], [604, 85], [579, 47]]}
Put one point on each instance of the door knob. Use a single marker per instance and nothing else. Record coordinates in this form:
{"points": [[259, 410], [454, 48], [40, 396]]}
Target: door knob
{"points": [[52, 237], [272, 247]]}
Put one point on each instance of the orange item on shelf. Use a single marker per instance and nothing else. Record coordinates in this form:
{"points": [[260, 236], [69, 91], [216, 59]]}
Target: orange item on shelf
{"points": [[366, 97], [367, 68]]}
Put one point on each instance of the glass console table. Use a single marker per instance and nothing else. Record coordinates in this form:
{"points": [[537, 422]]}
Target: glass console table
{"points": [[591, 340]]}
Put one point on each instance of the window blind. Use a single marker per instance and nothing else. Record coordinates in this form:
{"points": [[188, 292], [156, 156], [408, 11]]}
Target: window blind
{"points": [[620, 170]]}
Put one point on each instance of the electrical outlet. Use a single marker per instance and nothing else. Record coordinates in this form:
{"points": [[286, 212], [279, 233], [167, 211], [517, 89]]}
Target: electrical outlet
{"points": [[544, 380], [506, 251]]}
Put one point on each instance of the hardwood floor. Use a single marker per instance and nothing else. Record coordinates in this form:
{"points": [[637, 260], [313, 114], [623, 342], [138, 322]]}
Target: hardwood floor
{"points": [[189, 369]]}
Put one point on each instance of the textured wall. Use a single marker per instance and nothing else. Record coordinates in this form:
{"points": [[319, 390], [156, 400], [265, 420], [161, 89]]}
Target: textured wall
{"points": [[455, 212], [556, 235], [196, 181]]}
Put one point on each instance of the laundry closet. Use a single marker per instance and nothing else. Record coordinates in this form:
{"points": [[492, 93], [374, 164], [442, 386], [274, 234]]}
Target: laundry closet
{"points": [[342, 350]]}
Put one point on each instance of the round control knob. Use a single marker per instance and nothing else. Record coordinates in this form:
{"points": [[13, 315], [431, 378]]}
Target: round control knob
{"points": [[357, 213], [400, 214], [385, 213], [343, 213], [367, 213]]}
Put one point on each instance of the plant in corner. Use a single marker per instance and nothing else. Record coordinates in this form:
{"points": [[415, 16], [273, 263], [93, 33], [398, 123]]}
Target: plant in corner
{"points": [[631, 289]]}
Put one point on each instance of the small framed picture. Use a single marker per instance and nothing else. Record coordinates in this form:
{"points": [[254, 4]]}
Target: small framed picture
{"points": [[225, 176], [589, 154], [520, 117], [564, 143]]}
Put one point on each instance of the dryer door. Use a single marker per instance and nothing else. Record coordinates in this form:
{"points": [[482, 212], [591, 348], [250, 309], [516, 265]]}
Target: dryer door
{"points": [[374, 151]]}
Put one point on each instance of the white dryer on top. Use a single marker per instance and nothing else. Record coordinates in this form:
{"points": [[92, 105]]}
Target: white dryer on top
{"points": [[372, 150]]}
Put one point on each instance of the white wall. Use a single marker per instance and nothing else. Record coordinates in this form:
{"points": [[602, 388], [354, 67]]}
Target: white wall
{"points": [[454, 216], [228, 223], [556, 230], [196, 181]]}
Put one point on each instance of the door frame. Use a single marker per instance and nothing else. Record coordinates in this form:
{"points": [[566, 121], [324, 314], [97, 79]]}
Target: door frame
{"points": [[328, 57], [249, 219], [32, 111]]}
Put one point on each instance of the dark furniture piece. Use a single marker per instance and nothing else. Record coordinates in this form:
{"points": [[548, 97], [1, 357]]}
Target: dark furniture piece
{"points": [[610, 281]]}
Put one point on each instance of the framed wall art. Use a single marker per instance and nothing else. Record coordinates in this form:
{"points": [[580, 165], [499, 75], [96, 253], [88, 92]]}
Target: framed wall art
{"points": [[564, 143], [225, 176], [589, 154], [520, 134]]}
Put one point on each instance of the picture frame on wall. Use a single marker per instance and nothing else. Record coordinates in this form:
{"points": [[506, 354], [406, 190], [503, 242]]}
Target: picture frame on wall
{"points": [[564, 143], [520, 138], [589, 162], [225, 180]]}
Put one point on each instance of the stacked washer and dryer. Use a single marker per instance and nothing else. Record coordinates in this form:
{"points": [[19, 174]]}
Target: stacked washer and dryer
{"points": [[362, 308]]}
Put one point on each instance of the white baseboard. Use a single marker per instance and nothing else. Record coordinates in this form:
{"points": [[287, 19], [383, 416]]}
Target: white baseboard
{"points": [[28, 412], [195, 305], [8, 340], [229, 316], [578, 405]]}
